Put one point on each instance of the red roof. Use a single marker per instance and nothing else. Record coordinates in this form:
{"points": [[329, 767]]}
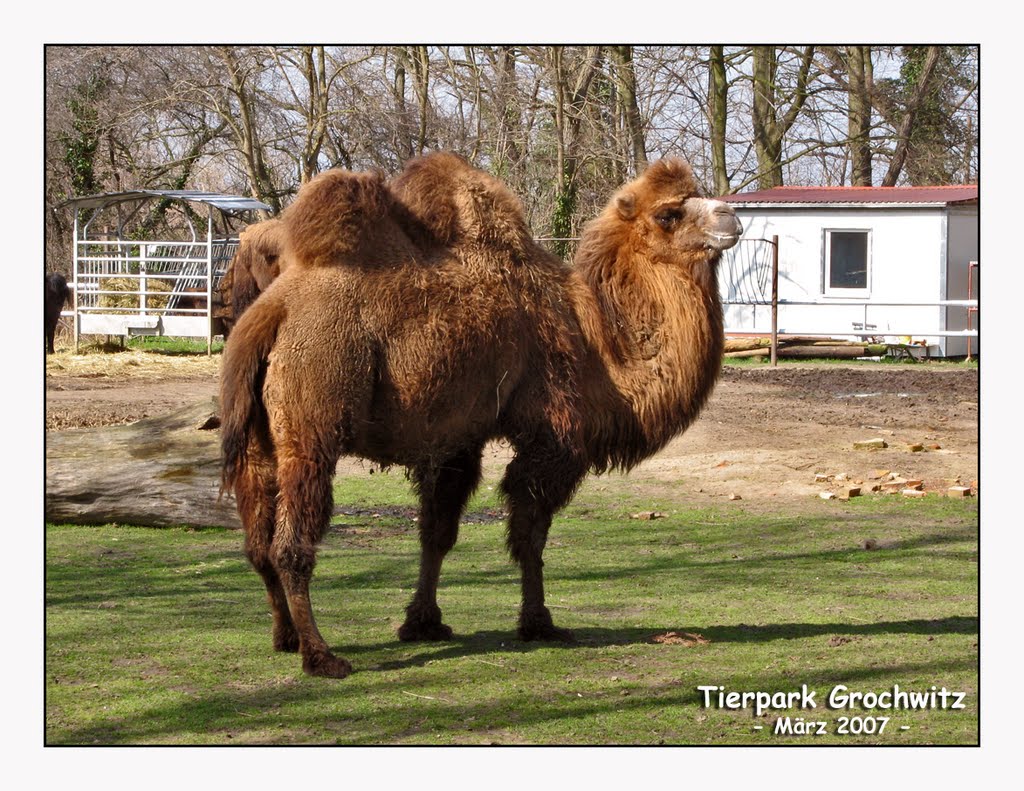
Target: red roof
{"points": [[852, 195]]}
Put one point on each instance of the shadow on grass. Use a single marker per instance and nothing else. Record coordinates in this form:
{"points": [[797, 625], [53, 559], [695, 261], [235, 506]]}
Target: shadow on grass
{"points": [[490, 641]]}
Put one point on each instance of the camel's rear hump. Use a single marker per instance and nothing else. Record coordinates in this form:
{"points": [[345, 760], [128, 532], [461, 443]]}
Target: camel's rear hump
{"points": [[462, 206], [341, 217]]}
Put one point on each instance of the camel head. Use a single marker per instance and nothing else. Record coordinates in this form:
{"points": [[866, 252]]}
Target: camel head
{"points": [[669, 218], [260, 258], [261, 249]]}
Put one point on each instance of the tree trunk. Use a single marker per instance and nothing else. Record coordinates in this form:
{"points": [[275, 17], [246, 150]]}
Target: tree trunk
{"points": [[314, 69], [403, 144], [626, 79], [859, 114], [770, 129], [247, 132], [767, 140], [160, 472], [421, 71], [906, 127], [507, 151], [718, 90], [570, 100]]}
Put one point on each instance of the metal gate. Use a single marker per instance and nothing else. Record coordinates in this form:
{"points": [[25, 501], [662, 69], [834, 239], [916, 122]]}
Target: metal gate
{"points": [[124, 284]]}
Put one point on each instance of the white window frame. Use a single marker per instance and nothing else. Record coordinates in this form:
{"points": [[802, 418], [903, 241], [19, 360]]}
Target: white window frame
{"points": [[849, 293]]}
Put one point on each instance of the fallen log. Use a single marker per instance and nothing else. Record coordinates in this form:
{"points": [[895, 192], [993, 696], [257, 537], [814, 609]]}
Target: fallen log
{"points": [[746, 344], [160, 472], [844, 352], [749, 353]]}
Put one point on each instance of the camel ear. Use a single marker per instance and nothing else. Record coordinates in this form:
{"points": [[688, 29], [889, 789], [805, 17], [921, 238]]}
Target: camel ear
{"points": [[626, 204]]}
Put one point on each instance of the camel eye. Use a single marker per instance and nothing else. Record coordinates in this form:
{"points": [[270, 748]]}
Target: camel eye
{"points": [[668, 218]]}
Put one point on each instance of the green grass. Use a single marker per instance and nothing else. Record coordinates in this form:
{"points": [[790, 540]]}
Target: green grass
{"points": [[163, 636], [173, 345], [156, 344]]}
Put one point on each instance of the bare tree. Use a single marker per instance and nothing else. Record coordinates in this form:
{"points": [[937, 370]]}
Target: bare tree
{"points": [[625, 79], [718, 116], [771, 124], [563, 126], [861, 86], [572, 75]]}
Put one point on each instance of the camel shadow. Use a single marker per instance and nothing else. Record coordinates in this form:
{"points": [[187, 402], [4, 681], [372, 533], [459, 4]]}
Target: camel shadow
{"points": [[499, 641]]}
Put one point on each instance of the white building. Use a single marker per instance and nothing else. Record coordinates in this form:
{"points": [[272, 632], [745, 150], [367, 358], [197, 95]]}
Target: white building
{"points": [[856, 256]]}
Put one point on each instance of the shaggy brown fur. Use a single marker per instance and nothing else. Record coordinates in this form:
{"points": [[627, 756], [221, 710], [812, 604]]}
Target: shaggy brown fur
{"points": [[418, 321], [260, 257]]}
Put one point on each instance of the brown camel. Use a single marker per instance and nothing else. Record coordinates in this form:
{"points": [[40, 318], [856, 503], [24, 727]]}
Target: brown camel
{"points": [[257, 262], [420, 320]]}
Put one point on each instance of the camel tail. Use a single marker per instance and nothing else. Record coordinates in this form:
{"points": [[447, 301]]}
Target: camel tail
{"points": [[241, 383]]}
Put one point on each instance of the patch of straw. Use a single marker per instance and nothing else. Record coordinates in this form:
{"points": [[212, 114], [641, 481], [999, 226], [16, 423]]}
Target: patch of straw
{"points": [[132, 364]]}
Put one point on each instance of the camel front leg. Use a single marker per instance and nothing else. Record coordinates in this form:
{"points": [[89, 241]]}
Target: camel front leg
{"points": [[536, 488], [443, 494]]}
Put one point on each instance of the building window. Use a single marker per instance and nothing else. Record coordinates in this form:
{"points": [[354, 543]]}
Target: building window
{"points": [[847, 258]]}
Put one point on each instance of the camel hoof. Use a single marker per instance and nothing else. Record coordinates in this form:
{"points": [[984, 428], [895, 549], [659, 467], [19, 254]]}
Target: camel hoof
{"points": [[549, 634], [326, 665], [541, 628], [415, 631]]}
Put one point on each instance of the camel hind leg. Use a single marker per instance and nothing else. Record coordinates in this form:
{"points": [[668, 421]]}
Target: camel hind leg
{"points": [[256, 494], [303, 514], [443, 494]]}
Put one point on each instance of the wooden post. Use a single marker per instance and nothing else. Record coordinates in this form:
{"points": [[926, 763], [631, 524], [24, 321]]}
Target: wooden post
{"points": [[775, 300]]}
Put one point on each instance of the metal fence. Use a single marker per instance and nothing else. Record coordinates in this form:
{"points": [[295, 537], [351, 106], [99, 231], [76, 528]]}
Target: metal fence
{"points": [[749, 276], [145, 278], [127, 284], [124, 287]]}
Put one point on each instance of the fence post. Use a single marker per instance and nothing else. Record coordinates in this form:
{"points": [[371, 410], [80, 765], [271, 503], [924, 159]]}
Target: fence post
{"points": [[143, 280], [971, 266], [775, 300], [209, 281], [74, 272]]}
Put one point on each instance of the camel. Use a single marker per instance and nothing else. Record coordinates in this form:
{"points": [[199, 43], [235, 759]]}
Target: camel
{"points": [[257, 261], [420, 320]]}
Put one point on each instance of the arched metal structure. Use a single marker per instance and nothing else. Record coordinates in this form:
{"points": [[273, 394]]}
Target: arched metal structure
{"points": [[127, 284]]}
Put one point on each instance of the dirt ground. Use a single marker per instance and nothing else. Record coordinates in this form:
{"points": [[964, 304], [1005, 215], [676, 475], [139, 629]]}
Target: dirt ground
{"points": [[765, 433]]}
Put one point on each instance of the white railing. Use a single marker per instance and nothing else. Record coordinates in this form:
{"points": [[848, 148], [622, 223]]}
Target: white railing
{"points": [[865, 328]]}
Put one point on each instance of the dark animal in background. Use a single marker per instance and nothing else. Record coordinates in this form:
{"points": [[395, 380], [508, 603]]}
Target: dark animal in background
{"points": [[418, 320], [56, 295]]}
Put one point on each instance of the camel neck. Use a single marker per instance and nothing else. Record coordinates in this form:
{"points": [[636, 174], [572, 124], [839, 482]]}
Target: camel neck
{"points": [[657, 340]]}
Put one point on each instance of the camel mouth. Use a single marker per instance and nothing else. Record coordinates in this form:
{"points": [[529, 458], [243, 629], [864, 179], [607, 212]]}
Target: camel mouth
{"points": [[723, 228], [722, 241]]}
